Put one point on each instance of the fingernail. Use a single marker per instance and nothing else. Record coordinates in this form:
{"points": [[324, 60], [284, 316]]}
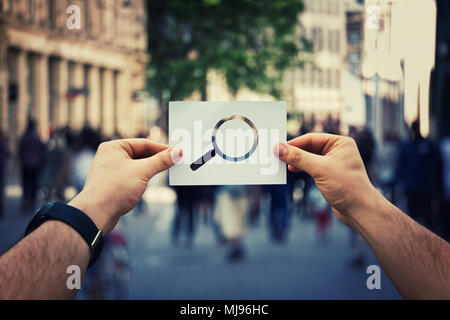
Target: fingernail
{"points": [[176, 154], [280, 150]]}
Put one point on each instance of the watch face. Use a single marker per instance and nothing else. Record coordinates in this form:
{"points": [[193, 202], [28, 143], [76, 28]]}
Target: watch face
{"points": [[45, 208]]}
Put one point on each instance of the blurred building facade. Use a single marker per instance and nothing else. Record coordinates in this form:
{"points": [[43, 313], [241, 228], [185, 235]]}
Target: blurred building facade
{"points": [[63, 77], [381, 71], [316, 88], [354, 112], [398, 59]]}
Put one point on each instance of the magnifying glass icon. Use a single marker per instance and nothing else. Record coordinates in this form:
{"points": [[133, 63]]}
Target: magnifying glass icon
{"points": [[216, 150]]}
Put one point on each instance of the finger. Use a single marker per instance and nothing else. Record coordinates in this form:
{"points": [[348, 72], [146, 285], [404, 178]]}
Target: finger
{"points": [[318, 143], [141, 148], [161, 161], [298, 159]]}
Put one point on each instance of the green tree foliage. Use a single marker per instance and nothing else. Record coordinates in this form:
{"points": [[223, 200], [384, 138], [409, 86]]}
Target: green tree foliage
{"points": [[250, 41]]}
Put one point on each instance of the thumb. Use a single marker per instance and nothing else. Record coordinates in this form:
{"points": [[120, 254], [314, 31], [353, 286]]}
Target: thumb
{"points": [[299, 159], [161, 161]]}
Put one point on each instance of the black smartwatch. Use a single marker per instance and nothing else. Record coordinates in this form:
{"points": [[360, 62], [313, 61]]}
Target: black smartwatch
{"points": [[74, 218]]}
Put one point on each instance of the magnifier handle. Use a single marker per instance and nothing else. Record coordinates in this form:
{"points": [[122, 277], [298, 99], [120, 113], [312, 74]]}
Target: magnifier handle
{"points": [[204, 159]]}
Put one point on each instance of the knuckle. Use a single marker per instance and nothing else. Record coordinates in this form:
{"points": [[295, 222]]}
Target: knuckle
{"points": [[166, 161], [349, 141], [296, 157], [103, 146], [163, 162]]}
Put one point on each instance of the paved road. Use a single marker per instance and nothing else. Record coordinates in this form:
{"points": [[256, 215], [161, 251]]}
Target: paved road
{"points": [[304, 268]]}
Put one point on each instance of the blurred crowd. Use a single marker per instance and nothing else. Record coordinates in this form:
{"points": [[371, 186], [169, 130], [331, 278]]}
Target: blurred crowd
{"points": [[413, 173]]}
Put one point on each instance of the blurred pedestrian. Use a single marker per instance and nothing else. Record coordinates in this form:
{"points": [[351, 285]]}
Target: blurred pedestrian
{"points": [[279, 215], [366, 146], [256, 193], [53, 161], [387, 161], [86, 146], [321, 212], [4, 157], [31, 155], [185, 215], [66, 142], [419, 171], [205, 202], [232, 206]]}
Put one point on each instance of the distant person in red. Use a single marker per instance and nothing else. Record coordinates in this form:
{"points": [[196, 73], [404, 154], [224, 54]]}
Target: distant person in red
{"points": [[321, 212], [31, 155]]}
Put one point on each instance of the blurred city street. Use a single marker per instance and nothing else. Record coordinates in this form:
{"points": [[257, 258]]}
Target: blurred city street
{"points": [[303, 268], [76, 75]]}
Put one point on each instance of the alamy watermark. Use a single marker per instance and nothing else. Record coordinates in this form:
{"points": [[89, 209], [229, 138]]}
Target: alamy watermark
{"points": [[73, 21], [373, 17], [374, 280], [74, 280]]}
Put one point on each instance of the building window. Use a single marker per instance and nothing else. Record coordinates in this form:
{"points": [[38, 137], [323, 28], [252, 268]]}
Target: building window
{"points": [[354, 59], [70, 82], [31, 11], [102, 96], [390, 118], [331, 41], [329, 79], [87, 87], [87, 22], [311, 76], [337, 41], [116, 98], [30, 83], [317, 38], [354, 38], [320, 78], [338, 79], [302, 75], [52, 13]]}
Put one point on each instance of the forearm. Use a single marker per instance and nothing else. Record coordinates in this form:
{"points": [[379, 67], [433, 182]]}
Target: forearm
{"points": [[416, 260], [36, 268]]}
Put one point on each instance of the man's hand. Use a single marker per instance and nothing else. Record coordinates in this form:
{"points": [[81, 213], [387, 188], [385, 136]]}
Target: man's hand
{"points": [[118, 178], [416, 260], [337, 168]]}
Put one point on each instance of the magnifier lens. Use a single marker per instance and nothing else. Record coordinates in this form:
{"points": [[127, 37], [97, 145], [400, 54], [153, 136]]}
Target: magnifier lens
{"points": [[237, 141], [235, 138]]}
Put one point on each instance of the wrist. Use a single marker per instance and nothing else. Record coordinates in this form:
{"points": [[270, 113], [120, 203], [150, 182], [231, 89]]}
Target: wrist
{"points": [[370, 213], [94, 211]]}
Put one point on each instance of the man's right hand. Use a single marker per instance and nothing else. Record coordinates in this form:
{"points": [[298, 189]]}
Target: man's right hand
{"points": [[337, 168]]}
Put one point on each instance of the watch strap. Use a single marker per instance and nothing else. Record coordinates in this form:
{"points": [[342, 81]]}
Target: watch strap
{"points": [[76, 219]]}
